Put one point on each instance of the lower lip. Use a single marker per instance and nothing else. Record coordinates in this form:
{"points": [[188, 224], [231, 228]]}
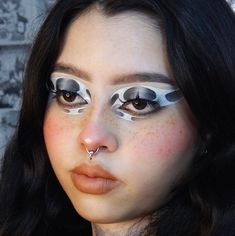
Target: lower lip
{"points": [[93, 185]]}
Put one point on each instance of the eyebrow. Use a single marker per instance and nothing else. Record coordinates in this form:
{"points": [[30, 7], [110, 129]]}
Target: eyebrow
{"points": [[72, 70], [122, 79], [143, 77]]}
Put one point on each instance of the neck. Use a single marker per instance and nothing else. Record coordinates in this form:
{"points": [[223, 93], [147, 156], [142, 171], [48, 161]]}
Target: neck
{"points": [[130, 228]]}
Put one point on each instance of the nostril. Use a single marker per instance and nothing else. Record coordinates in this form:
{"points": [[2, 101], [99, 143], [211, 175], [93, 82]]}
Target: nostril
{"points": [[103, 148]]}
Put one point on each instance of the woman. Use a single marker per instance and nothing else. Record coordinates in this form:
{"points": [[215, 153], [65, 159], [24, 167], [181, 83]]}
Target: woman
{"points": [[127, 123]]}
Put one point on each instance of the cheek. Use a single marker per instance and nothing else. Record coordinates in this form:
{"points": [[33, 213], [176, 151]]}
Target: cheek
{"points": [[53, 131], [159, 157], [165, 143], [59, 136]]}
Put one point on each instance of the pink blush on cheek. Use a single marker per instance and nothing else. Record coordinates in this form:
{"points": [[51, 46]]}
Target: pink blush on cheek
{"points": [[165, 143], [56, 130]]}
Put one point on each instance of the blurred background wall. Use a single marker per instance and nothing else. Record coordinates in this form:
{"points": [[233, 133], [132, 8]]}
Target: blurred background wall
{"points": [[19, 21]]}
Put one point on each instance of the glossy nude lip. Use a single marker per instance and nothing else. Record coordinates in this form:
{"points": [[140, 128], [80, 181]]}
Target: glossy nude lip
{"points": [[93, 179]]}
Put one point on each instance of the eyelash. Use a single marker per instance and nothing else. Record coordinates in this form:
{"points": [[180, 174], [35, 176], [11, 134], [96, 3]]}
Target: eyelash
{"points": [[66, 99], [146, 107]]}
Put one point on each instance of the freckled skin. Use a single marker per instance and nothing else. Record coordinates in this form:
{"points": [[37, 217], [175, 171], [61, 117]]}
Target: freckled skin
{"points": [[147, 156]]}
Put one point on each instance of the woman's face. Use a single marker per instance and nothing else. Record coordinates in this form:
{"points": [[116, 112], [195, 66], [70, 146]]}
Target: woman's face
{"points": [[103, 96]]}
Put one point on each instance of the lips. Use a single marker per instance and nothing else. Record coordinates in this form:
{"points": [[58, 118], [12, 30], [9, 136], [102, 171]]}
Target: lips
{"points": [[93, 179]]}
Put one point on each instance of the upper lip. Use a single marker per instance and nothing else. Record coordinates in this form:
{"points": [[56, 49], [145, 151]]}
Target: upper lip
{"points": [[93, 171]]}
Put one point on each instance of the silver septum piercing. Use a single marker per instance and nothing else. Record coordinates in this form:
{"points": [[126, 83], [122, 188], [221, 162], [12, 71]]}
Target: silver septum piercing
{"points": [[91, 153]]}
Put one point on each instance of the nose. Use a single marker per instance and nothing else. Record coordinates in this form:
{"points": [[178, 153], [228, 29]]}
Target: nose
{"points": [[97, 135]]}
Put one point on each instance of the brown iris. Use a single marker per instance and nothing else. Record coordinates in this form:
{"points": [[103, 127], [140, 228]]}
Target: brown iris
{"points": [[68, 96], [139, 104]]}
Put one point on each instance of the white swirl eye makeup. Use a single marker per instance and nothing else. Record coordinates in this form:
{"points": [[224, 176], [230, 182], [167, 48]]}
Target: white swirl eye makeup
{"points": [[72, 95], [129, 103], [135, 102]]}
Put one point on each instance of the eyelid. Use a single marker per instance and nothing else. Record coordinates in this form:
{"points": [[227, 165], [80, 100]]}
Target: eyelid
{"points": [[123, 96], [164, 96], [70, 85]]}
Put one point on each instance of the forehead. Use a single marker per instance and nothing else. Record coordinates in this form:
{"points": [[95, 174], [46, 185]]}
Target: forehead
{"points": [[128, 27], [124, 21], [129, 42]]}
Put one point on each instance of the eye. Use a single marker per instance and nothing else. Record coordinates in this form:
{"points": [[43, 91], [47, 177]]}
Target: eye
{"points": [[132, 103], [70, 99], [140, 106], [71, 95]]}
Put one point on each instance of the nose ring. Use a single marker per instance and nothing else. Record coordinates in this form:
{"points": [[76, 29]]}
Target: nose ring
{"points": [[92, 153]]}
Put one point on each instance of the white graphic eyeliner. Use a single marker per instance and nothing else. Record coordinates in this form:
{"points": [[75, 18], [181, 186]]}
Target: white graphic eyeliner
{"points": [[156, 96], [70, 88]]}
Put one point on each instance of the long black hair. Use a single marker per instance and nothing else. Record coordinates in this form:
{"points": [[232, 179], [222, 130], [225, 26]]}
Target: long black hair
{"points": [[200, 42]]}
